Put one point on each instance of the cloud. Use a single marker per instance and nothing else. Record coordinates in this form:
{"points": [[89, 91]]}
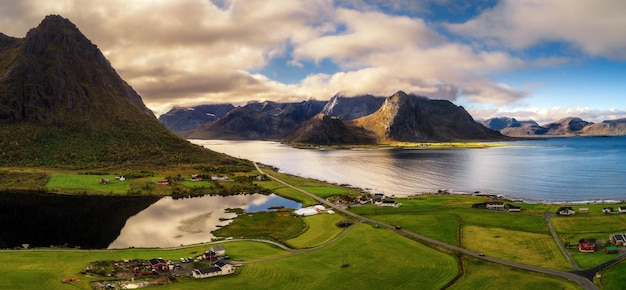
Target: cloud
{"points": [[597, 28], [190, 52]]}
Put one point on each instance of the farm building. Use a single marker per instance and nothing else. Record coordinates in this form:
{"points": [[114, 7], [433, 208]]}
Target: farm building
{"points": [[607, 210], [583, 210], [159, 264], [586, 246], [513, 208], [219, 250], [220, 268], [388, 203], [618, 239], [621, 209], [494, 205], [611, 250], [163, 182], [566, 211]]}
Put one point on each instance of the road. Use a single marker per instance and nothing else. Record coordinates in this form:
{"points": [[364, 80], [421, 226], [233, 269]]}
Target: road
{"points": [[546, 217], [580, 280]]}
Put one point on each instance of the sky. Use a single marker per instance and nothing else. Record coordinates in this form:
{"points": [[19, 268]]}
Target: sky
{"points": [[529, 59]]}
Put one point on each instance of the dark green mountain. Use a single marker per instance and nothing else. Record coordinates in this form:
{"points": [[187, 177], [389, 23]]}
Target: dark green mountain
{"points": [[63, 105]]}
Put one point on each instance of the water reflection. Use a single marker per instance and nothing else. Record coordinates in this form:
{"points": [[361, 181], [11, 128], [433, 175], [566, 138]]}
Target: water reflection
{"points": [[174, 222]]}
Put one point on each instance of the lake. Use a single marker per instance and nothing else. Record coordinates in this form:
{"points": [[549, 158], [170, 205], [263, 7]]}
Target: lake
{"points": [[41, 219], [175, 222], [553, 170]]}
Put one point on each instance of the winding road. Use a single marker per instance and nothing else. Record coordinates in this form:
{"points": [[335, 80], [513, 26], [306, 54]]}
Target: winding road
{"points": [[580, 280]]}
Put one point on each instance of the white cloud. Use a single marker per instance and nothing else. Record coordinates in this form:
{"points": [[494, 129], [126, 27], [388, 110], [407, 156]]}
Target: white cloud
{"points": [[189, 52], [595, 27]]}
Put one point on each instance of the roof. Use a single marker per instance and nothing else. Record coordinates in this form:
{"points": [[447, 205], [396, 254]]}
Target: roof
{"points": [[157, 261], [220, 263], [495, 202], [208, 270]]}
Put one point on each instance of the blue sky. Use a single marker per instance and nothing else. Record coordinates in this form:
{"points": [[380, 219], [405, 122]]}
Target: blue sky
{"points": [[529, 59]]}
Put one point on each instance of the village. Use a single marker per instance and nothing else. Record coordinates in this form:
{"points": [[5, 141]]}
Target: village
{"points": [[137, 273]]}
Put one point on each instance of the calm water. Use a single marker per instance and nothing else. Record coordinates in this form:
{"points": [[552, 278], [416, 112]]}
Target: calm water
{"points": [[174, 222], [558, 169]]}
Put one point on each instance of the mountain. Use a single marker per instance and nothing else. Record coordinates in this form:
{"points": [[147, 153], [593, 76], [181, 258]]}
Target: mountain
{"points": [[325, 130], [258, 120], [349, 108], [181, 119], [63, 105], [566, 126], [609, 127], [512, 127], [410, 118]]}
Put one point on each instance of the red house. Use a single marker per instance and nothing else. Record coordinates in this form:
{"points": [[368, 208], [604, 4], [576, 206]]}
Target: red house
{"points": [[159, 264], [586, 246]]}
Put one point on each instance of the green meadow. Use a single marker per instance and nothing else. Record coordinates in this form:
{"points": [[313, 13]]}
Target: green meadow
{"points": [[481, 274]]}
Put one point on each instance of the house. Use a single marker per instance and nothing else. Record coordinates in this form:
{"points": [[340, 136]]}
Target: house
{"points": [[196, 177], [120, 178], [220, 268], [586, 246], [388, 203], [607, 210], [219, 178], [566, 211], [219, 250], [104, 181], [163, 182], [158, 264], [621, 209], [494, 205], [618, 239], [377, 197]]}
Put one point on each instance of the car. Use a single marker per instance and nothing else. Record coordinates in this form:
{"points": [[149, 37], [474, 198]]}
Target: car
{"points": [[481, 254]]}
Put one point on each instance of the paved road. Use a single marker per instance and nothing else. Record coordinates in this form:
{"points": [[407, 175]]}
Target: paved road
{"points": [[546, 217], [580, 280]]}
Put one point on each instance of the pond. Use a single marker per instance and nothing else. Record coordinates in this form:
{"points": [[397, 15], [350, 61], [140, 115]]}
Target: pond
{"points": [[176, 222], [87, 221]]}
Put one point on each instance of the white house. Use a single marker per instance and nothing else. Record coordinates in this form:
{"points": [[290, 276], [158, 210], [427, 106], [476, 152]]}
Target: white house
{"points": [[621, 209], [494, 205], [220, 268]]}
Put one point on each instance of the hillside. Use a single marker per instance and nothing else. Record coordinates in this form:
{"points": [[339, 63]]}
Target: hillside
{"points": [[184, 119], [410, 118], [350, 108], [609, 127], [564, 127], [63, 105], [258, 121], [325, 130]]}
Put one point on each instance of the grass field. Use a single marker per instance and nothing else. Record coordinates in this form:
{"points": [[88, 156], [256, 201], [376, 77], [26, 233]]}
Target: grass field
{"points": [[613, 277], [44, 269], [481, 274], [581, 223], [278, 226], [400, 264], [321, 228], [521, 247], [288, 192], [78, 183]]}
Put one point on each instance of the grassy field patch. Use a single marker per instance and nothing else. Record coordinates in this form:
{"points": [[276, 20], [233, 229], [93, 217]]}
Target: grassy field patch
{"points": [[376, 258], [77, 183], [44, 269], [279, 226], [613, 277], [481, 274], [522, 247], [321, 228], [590, 223]]}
